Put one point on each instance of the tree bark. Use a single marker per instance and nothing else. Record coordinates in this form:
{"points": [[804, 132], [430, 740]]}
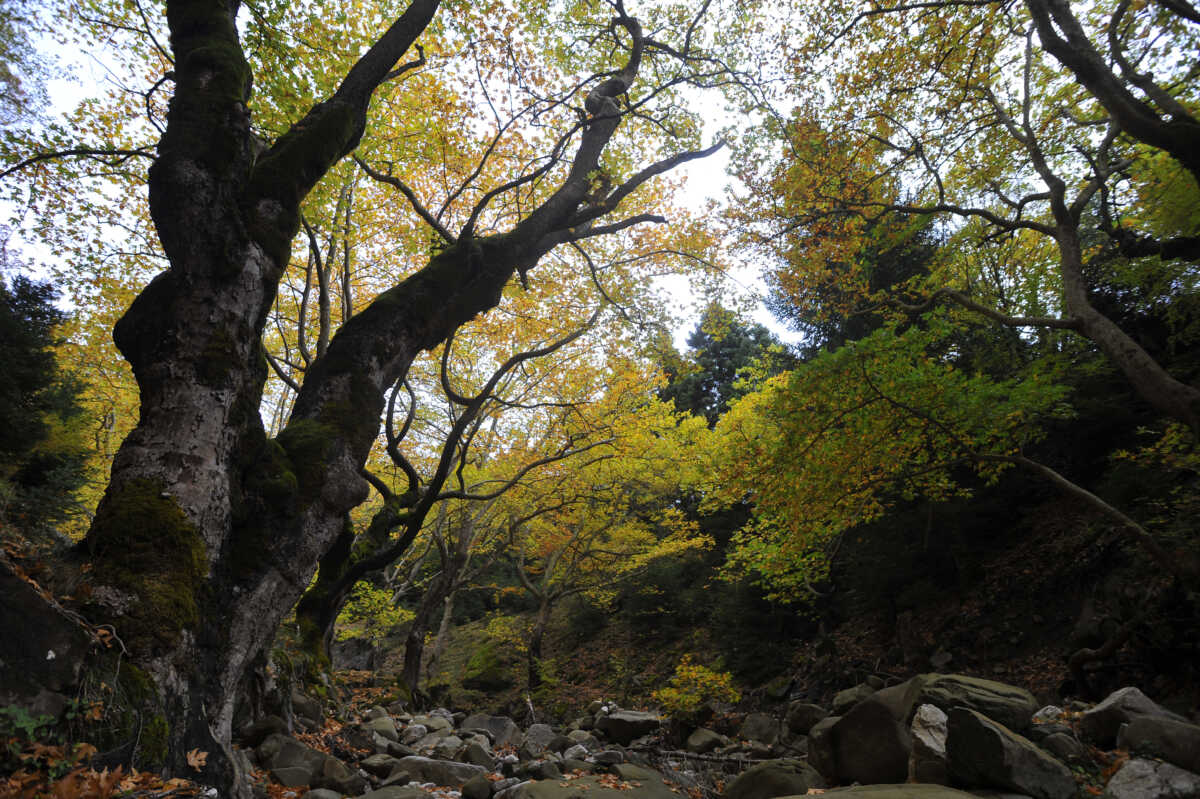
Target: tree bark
{"points": [[443, 635], [209, 531]]}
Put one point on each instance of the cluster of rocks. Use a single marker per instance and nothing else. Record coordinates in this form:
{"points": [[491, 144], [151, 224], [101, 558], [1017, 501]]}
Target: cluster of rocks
{"points": [[983, 736], [935, 736], [397, 755]]}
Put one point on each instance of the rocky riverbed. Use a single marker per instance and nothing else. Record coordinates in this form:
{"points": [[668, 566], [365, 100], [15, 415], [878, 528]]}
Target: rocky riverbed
{"points": [[935, 735]]}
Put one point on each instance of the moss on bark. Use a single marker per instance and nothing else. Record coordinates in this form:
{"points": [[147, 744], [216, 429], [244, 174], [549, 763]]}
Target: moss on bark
{"points": [[145, 546]]}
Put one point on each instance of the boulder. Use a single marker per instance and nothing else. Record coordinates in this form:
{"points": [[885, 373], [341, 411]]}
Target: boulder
{"points": [[447, 748], [984, 753], [40, 655], [543, 770], [379, 765], [254, 734], [609, 757], [760, 727], [397, 792], [927, 762], [1065, 747], [703, 741], [322, 793], [1176, 742], [476, 754], [502, 730], [801, 716], [538, 739], [384, 726], [489, 669], [844, 700], [591, 788], [306, 707], [1147, 779], [575, 752], [357, 654], [774, 778], [870, 745], [622, 726], [630, 771], [1046, 722], [439, 772], [1005, 704], [585, 739], [414, 733], [1101, 723], [909, 791], [478, 787], [435, 722], [820, 747], [292, 763]]}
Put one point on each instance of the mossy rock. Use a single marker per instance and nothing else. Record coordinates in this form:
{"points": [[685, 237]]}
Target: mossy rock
{"points": [[488, 670]]}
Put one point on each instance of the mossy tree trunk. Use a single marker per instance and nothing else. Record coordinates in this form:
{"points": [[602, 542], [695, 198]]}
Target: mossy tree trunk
{"points": [[209, 531]]}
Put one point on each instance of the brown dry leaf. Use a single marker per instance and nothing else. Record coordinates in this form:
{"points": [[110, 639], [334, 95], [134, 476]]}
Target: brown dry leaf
{"points": [[196, 759]]}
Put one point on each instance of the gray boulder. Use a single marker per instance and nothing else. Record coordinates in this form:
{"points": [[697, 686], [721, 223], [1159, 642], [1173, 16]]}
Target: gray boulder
{"points": [[801, 716], [1174, 741], [591, 788], [447, 748], [703, 741], [414, 733], [986, 754], [622, 726], [379, 765], [501, 729], [927, 762], [479, 787], [439, 772], [903, 792], [844, 700], [322, 793], [575, 752], [383, 725], [609, 757], [820, 747], [476, 754], [1005, 704], [1065, 747], [870, 745], [633, 772], [397, 792], [434, 722], [585, 739], [292, 763], [538, 739], [1101, 723], [760, 727], [774, 778], [1147, 779], [543, 770]]}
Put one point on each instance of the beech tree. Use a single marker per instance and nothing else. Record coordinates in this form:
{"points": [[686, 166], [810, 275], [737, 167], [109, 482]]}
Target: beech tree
{"points": [[1041, 176], [209, 529]]}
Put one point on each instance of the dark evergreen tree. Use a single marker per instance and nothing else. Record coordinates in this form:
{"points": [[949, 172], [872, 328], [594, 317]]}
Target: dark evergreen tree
{"points": [[704, 380], [39, 472]]}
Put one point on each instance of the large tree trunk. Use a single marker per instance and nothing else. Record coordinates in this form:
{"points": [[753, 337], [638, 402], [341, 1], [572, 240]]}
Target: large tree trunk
{"points": [[414, 642], [443, 635], [209, 531]]}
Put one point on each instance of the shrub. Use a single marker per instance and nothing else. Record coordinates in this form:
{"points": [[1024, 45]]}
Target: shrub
{"points": [[692, 686]]}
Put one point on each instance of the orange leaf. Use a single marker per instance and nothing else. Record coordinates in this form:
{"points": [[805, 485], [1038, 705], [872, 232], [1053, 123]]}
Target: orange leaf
{"points": [[196, 759]]}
